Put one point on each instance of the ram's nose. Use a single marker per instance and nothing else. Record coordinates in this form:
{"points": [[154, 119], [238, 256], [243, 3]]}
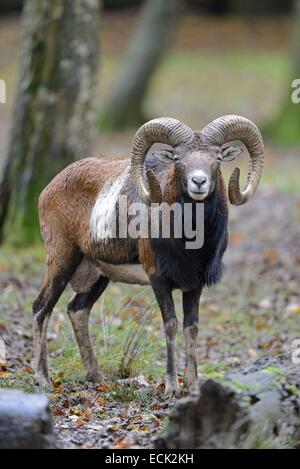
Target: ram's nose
{"points": [[198, 185], [199, 181]]}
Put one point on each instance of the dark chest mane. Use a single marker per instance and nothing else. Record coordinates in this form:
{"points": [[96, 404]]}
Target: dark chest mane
{"points": [[196, 268]]}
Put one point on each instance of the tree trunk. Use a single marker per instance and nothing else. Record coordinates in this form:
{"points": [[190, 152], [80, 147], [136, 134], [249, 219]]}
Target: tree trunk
{"points": [[124, 107], [52, 115], [25, 421], [286, 127], [256, 407]]}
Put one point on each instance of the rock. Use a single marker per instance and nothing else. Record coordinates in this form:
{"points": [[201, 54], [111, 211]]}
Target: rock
{"points": [[257, 406], [25, 421]]}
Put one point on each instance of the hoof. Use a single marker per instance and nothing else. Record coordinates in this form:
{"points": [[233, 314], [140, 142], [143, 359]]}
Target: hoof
{"points": [[43, 384], [190, 380], [172, 389], [192, 387], [95, 376]]}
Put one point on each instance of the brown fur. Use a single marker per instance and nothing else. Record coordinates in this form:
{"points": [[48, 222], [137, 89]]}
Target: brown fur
{"points": [[66, 204], [147, 257]]}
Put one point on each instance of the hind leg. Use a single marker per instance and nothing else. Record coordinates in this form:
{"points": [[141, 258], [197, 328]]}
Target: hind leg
{"points": [[79, 310], [59, 271]]}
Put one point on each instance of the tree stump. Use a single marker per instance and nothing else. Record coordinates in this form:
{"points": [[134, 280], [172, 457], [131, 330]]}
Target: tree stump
{"points": [[256, 407], [25, 421]]}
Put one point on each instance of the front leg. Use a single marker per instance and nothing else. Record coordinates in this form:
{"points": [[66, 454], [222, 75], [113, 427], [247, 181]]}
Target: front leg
{"points": [[191, 301], [163, 293]]}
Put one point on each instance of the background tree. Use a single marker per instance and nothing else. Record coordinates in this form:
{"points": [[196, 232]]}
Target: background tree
{"points": [[52, 115], [124, 107], [286, 127]]}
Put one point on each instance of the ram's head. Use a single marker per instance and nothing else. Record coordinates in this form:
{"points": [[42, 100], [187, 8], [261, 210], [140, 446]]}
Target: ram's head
{"points": [[198, 156]]}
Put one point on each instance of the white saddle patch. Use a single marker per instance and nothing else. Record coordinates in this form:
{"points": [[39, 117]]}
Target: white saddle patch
{"points": [[102, 224]]}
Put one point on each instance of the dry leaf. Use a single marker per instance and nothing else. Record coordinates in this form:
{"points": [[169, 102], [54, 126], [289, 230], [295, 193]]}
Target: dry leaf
{"points": [[88, 413], [271, 255], [132, 426], [261, 325], [252, 352], [114, 428], [155, 407], [80, 422], [100, 401], [104, 387], [235, 238], [125, 443], [28, 369], [293, 308]]}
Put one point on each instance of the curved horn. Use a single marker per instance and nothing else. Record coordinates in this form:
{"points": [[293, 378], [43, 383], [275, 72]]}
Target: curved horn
{"points": [[163, 130], [232, 127]]}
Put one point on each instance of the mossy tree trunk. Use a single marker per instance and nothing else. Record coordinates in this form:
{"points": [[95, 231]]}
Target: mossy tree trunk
{"points": [[124, 107], [52, 114], [286, 126]]}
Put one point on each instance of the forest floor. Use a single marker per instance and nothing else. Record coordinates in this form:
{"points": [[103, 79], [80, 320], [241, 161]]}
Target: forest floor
{"points": [[253, 312]]}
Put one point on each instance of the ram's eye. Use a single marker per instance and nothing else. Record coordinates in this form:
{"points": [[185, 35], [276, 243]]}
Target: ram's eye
{"points": [[219, 158]]}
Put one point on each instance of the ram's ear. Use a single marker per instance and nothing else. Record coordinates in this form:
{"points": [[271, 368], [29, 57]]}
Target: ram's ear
{"points": [[231, 153], [165, 156]]}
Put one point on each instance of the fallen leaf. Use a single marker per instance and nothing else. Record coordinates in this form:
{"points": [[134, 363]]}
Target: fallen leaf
{"points": [[293, 308], [57, 386], [271, 255], [28, 369], [155, 407], [235, 238], [88, 413], [114, 428], [104, 387], [131, 426], [80, 422], [59, 412], [261, 325], [145, 429], [100, 401], [125, 443]]}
